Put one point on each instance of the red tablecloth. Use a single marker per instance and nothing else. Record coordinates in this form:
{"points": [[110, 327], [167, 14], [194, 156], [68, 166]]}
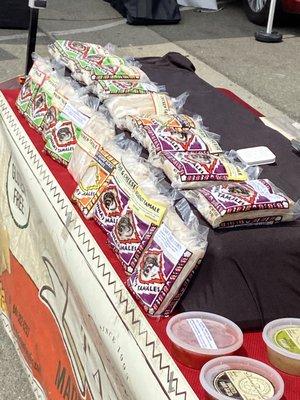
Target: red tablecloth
{"points": [[253, 343]]}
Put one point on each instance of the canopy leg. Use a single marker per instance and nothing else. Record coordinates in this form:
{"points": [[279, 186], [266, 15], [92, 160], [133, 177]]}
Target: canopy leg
{"points": [[31, 41], [34, 5], [269, 36]]}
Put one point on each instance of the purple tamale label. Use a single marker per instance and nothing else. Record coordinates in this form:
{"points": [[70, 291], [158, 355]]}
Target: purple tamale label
{"points": [[197, 166], [129, 236], [242, 197], [158, 268], [110, 205], [114, 197], [174, 140]]}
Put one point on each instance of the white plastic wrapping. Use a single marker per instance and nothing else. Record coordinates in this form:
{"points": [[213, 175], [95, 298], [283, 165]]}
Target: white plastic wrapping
{"points": [[40, 70], [138, 221], [70, 52], [105, 88], [188, 170], [131, 172], [172, 133], [167, 263], [98, 131], [67, 127], [64, 90], [152, 103], [98, 172], [255, 202], [91, 63]]}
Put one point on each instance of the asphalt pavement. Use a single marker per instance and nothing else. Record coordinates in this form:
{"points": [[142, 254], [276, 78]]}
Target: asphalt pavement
{"points": [[220, 44]]}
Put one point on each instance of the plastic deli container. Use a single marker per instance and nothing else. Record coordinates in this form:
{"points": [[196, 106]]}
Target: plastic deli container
{"points": [[282, 338], [197, 337], [240, 378]]}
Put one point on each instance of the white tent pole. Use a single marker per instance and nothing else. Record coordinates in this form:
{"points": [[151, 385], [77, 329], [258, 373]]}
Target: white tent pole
{"points": [[269, 36], [271, 16]]}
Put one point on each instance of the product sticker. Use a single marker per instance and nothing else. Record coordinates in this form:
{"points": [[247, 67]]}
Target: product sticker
{"points": [[242, 197], [202, 333], [124, 179], [114, 197], [75, 115], [173, 249], [289, 339], [50, 85], [244, 385], [88, 144], [59, 101], [36, 75], [89, 188], [199, 166], [161, 103], [146, 208], [158, 268]]}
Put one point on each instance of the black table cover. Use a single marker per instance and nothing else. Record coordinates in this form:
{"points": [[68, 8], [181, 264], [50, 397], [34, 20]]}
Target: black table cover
{"points": [[147, 12], [250, 275]]}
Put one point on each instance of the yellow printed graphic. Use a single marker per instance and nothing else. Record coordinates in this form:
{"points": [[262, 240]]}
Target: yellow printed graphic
{"points": [[234, 172], [147, 209]]}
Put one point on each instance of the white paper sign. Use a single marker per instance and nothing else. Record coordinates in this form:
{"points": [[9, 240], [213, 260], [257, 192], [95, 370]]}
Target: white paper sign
{"points": [[204, 337]]}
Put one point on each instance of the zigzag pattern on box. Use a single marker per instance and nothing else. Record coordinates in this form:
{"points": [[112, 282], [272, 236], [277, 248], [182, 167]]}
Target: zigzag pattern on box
{"points": [[58, 196]]}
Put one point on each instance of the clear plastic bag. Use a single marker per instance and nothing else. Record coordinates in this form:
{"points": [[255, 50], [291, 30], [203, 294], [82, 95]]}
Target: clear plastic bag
{"points": [[40, 70], [188, 170], [68, 52], [168, 261], [97, 131], [172, 132], [72, 116], [104, 161], [171, 122], [146, 104], [131, 172], [160, 135], [59, 95], [252, 203], [138, 221]]}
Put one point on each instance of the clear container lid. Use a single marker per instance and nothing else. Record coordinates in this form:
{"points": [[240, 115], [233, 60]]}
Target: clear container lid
{"points": [[204, 333], [241, 376], [283, 336]]}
